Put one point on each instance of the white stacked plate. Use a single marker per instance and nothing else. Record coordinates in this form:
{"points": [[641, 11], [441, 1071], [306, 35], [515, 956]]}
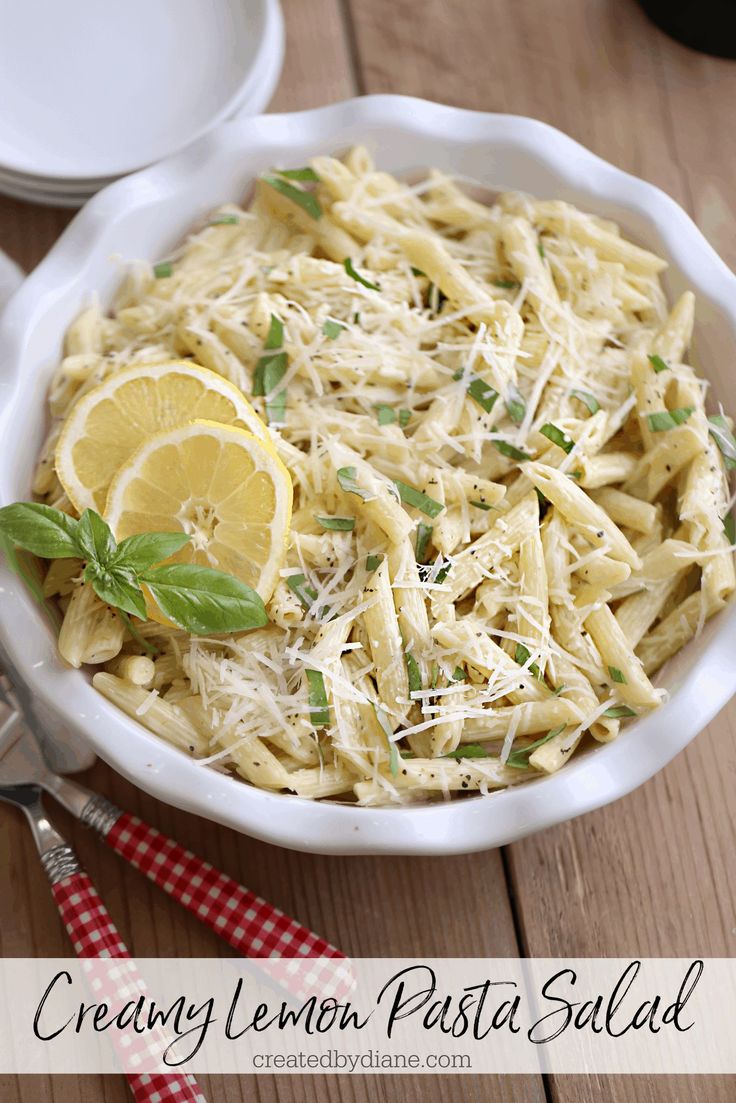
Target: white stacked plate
{"points": [[90, 92]]}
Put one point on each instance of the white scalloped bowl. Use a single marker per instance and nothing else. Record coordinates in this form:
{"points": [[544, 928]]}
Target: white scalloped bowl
{"points": [[144, 216]]}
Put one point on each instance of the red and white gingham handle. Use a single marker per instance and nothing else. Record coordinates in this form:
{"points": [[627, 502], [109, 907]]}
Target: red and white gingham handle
{"points": [[94, 934], [250, 924]]}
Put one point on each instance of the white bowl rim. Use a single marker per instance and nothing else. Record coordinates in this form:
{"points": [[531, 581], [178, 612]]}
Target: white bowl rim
{"points": [[461, 826]]}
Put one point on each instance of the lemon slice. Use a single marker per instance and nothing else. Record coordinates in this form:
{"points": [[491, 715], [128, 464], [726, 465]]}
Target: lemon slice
{"points": [[225, 488], [111, 421]]}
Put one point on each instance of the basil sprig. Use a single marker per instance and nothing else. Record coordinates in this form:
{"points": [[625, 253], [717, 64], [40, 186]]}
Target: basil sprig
{"points": [[197, 599]]}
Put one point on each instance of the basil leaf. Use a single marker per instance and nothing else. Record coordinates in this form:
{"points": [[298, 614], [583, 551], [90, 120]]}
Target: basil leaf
{"points": [[424, 533], [658, 363], [298, 585], [202, 600], [393, 758], [470, 750], [540, 250], [95, 538], [507, 285], [587, 399], [618, 711], [41, 530], [302, 198], [729, 527], [147, 549], [515, 405], [224, 220], [413, 673], [332, 329], [270, 370], [319, 712], [434, 675], [299, 174], [117, 587], [337, 524], [404, 418], [510, 450], [558, 437], [482, 393], [668, 419], [519, 760], [348, 266], [559, 690], [522, 655], [27, 574], [410, 496], [373, 562], [275, 335], [386, 414], [163, 270], [724, 438], [459, 675], [346, 479], [617, 675], [480, 505]]}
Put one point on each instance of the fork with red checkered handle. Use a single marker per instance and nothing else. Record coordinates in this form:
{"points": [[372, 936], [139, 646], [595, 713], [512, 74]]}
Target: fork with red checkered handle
{"points": [[248, 923], [94, 935]]}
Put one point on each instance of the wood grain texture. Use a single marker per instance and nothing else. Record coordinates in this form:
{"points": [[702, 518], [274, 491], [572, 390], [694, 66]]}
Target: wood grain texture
{"points": [[652, 874]]}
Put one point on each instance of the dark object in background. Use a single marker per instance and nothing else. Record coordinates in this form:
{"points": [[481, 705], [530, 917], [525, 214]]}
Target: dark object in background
{"points": [[705, 25]]}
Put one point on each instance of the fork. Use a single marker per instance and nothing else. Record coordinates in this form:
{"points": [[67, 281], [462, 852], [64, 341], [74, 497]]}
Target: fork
{"points": [[247, 922]]}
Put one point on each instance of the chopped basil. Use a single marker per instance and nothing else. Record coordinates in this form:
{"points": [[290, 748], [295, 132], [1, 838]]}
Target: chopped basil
{"points": [[729, 527], [510, 450], [559, 690], [298, 585], [348, 265], [515, 405], [557, 436], [163, 270], [483, 393], [270, 370], [724, 438], [424, 533], [507, 285], [299, 174], [410, 496], [319, 712], [617, 675], [522, 655], [417, 272], [386, 414], [519, 760], [616, 712], [442, 573], [332, 329], [540, 250], [658, 363], [668, 419], [346, 479], [470, 750], [480, 505], [337, 524], [587, 399], [302, 198], [413, 673], [404, 418], [275, 335], [393, 758], [373, 562], [224, 220], [435, 673], [459, 675]]}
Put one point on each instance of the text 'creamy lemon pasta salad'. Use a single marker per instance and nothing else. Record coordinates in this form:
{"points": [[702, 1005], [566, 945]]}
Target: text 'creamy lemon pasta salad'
{"points": [[446, 460]]}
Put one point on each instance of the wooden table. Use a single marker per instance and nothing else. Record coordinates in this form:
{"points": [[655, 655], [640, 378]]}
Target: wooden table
{"points": [[653, 874]]}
